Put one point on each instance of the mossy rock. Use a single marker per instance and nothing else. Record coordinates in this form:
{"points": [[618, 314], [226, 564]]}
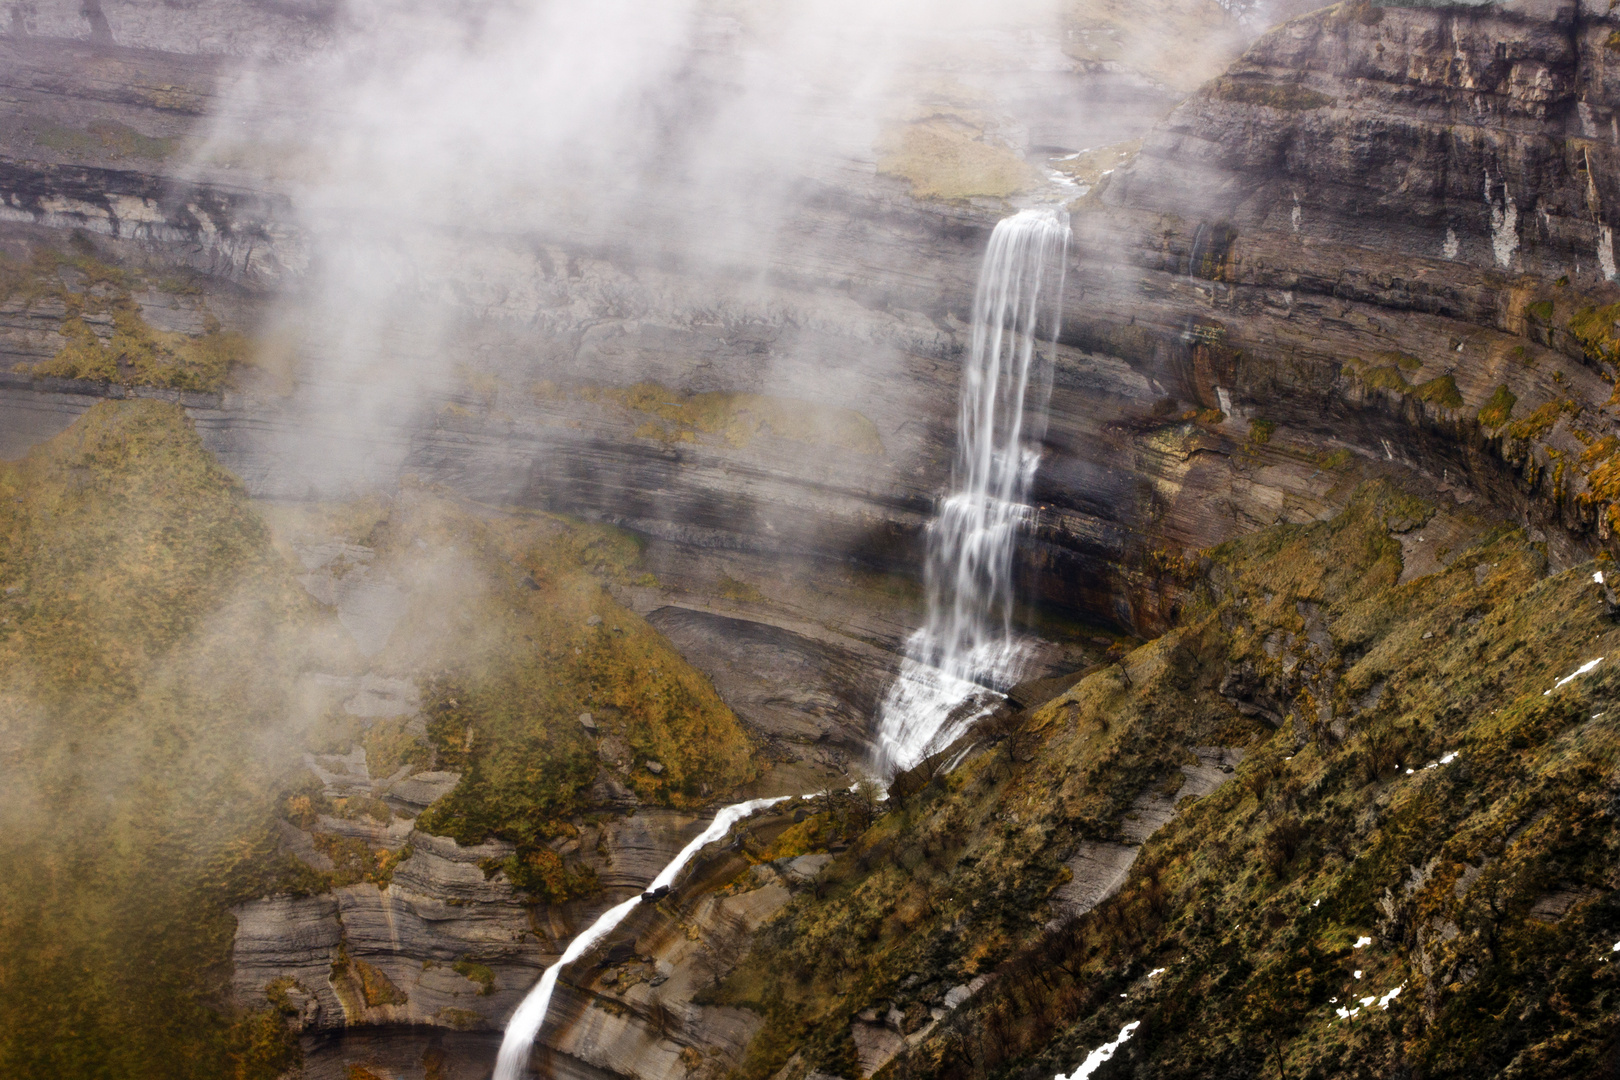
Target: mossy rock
{"points": [[1498, 409], [135, 354], [738, 419], [1286, 97]]}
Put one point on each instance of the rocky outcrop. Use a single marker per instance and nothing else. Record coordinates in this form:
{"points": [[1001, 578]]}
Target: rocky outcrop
{"points": [[444, 942], [1381, 241]]}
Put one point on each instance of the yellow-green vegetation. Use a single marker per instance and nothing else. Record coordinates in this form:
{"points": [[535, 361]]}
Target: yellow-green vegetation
{"points": [[1498, 409], [1260, 431], [153, 636], [1291, 97], [478, 973], [1328, 461], [947, 157], [133, 353], [1381, 377], [1594, 328], [1404, 361], [104, 139], [1602, 458], [741, 591], [1089, 166], [512, 634], [738, 419], [1441, 390], [1541, 420], [144, 626], [1485, 882]]}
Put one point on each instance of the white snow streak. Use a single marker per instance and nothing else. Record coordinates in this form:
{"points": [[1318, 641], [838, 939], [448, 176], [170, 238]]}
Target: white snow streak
{"points": [[1582, 670]]}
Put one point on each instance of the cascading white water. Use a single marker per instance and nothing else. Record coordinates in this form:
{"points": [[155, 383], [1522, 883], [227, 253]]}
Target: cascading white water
{"points": [[967, 646], [524, 1026]]}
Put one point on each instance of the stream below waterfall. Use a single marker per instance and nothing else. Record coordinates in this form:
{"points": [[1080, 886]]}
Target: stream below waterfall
{"points": [[524, 1026]]}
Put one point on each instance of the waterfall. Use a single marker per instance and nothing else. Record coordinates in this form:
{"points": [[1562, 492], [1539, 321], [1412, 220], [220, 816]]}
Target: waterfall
{"points": [[524, 1026], [966, 647]]}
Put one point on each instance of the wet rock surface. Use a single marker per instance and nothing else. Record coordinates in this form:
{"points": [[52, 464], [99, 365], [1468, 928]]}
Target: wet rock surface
{"points": [[1324, 267]]}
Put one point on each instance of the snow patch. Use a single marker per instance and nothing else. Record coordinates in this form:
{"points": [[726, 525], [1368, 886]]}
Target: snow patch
{"points": [[1450, 247], [1582, 670], [1363, 942], [1605, 251], [1504, 224]]}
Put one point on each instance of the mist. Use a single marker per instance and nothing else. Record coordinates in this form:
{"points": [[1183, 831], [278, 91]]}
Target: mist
{"points": [[497, 190]]}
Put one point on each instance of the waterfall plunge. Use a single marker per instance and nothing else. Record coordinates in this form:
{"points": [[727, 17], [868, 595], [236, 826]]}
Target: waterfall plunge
{"points": [[524, 1026], [967, 646]]}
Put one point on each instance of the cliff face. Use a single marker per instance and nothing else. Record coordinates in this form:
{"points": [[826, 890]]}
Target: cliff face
{"points": [[856, 305], [1384, 231], [1356, 236], [1376, 249]]}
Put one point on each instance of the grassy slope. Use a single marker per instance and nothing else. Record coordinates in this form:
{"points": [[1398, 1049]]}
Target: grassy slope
{"points": [[152, 635], [499, 634], [140, 589], [1252, 899]]}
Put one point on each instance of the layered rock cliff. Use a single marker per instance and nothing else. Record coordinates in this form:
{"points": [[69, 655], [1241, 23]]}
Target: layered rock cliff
{"points": [[1376, 249]]}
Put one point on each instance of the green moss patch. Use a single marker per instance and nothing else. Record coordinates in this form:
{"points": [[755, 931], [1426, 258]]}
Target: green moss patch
{"points": [[1288, 97], [133, 353], [738, 419], [106, 138], [1594, 328], [1498, 409], [478, 973], [1440, 391], [945, 157]]}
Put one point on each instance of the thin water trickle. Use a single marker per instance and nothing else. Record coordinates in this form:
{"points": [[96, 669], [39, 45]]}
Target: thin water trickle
{"points": [[524, 1026], [966, 646]]}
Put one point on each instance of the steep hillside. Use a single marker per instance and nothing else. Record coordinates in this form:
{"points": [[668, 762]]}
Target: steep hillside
{"points": [[204, 702], [1411, 870]]}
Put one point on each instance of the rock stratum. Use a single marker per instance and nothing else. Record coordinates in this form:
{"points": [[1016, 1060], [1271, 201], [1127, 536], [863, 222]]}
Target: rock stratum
{"points": [[1331, 430]]}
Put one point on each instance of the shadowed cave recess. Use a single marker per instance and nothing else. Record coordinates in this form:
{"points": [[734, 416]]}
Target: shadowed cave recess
{"points": [[710, 541]]}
